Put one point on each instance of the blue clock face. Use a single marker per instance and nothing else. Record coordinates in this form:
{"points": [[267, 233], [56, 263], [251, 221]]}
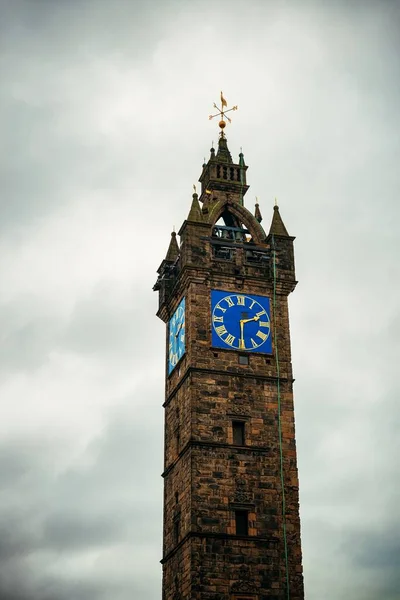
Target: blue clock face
{"points": [[240, 322], [176, 345]]}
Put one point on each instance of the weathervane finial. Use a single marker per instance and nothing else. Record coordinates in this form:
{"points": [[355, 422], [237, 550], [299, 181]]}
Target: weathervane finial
{"points": [[222, 114]]}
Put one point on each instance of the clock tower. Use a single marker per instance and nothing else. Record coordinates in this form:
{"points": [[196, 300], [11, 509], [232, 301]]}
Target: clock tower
{"points": [[231, 492]]}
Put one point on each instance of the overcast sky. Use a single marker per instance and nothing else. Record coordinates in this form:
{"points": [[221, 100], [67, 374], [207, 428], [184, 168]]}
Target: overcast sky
{"points": [[104, 125]]}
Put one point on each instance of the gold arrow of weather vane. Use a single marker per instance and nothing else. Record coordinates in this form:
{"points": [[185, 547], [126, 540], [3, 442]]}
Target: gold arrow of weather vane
{"points": [[222, 114]]}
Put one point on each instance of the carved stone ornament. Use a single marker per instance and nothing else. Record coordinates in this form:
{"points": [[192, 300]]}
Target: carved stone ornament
{"points": [[243, 587], [239, 410], [242, 496]]}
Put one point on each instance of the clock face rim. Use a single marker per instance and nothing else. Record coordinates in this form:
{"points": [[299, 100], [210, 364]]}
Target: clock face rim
{"points": [[217, 341], [177, 323]]}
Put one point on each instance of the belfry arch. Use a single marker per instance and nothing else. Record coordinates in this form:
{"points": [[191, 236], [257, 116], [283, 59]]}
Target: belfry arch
{"points": [[236, 216]]}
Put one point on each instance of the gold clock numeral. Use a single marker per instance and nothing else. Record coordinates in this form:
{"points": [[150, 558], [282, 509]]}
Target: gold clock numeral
{"points": [[263, 323], [253, 343], [229, 339], [218, 319], [252, 304], [262, 312], [229, 301], [262, 335], [220, 308], [240, 300], [221, 329]]}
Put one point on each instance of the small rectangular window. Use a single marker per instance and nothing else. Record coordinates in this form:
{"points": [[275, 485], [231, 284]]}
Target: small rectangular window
{"points": [[242, 522], [238, 432], [243, 359], [177, 526]]}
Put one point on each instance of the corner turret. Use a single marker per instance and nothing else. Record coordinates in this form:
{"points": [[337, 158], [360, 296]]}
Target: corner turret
{"points": [[282, 251], [277, 225]]}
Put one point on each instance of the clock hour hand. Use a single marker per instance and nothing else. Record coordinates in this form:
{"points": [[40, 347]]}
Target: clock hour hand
{"points": [[256, 318]]}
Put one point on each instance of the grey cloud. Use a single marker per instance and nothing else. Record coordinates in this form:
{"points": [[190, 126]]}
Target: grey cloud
{"points": [[27, 334], [65, 532], [59, 589], [48, 48], [79, 509], [377, 554], [100, 324], [379, 550]]}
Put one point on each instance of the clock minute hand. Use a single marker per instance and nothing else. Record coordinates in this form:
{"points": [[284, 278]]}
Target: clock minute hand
{"points": [[242, 322], [241, 341]]}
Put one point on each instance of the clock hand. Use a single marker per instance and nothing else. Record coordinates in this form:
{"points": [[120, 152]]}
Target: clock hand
{"points": [[256, 318], [242, 322], [241, 341], [178, 330]]}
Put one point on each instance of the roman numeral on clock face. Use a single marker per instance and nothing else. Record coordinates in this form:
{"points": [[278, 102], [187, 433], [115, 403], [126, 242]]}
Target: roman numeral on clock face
{"points": [[217, 319], [261, 335], [263, 323], [221, 329], [229, 339]]}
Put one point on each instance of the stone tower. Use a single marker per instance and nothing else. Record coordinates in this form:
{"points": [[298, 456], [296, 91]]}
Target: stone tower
{"points": [[231, 492]]}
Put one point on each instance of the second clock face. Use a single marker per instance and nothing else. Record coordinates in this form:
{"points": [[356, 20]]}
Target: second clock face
{"points": [[240, 322], [176, 345]]}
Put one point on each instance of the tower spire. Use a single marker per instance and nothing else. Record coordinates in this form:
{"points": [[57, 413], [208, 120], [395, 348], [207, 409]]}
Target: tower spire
{"points": [[173, 249], [257, 212], [195, 210], [277, 225], [221, 176]]}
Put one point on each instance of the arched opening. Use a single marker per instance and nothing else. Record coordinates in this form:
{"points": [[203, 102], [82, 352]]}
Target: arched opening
{"points": [[230, 228]]}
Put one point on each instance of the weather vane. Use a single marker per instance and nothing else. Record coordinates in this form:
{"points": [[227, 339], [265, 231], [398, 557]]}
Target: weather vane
{"points": [[222, 114]]}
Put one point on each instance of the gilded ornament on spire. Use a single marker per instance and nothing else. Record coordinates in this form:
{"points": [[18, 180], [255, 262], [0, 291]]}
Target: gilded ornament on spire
{"points": [[222, 114]]}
